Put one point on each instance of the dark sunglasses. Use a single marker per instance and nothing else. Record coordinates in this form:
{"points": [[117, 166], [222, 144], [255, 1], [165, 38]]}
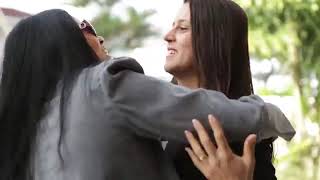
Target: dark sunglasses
{"points": [[87, 27]]}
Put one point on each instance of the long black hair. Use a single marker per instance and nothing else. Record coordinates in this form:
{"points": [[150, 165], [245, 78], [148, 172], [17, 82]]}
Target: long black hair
{"points": [[40, 51], [220, 46]]}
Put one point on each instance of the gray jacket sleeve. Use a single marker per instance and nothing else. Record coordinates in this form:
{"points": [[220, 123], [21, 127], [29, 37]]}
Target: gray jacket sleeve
{"points": [[160, 110]]}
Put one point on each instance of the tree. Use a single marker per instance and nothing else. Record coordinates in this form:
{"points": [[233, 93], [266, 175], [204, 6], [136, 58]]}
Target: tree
{"points": [[289, 30], [120, 33]]}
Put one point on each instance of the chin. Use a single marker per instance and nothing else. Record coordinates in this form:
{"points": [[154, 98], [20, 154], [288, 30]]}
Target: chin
{"points": [[166, 68], [168, 65], [170, 69]]}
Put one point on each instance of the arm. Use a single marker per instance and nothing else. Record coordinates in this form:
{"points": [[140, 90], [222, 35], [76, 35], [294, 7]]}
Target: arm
{"points": [[158, 109]]}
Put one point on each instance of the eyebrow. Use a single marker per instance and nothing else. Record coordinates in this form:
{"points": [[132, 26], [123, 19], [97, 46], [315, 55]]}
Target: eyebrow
{"points": [[182, 21]]}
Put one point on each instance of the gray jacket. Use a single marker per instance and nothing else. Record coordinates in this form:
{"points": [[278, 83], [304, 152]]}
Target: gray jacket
{"points": [[116, 116]]}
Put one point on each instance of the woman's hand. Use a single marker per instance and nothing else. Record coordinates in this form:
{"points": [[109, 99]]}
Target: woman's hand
{"points": [[218, 162]]}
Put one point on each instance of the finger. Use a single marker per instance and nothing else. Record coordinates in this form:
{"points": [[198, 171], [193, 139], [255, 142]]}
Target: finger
{"points": [[204, 138], [197, 149], [194, 158], [202, 167], [219, 135], [249, 150]]}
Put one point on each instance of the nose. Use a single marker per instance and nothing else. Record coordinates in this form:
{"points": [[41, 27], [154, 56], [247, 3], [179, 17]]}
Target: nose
{"points": [[170, 36], [101, 39]]}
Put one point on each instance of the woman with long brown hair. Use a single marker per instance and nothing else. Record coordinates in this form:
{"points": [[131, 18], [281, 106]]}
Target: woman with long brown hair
{"points": [[208, 48]]}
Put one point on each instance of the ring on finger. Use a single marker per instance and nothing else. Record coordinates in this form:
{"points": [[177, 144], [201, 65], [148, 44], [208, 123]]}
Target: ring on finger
{"points": [[202, 157]]}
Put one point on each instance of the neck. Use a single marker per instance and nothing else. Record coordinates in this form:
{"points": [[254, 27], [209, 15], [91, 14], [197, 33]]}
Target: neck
{"points": [[191, 82]]}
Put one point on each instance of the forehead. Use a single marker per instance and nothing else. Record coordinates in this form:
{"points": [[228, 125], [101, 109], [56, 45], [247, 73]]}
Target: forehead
{"points": [[184, 13]]}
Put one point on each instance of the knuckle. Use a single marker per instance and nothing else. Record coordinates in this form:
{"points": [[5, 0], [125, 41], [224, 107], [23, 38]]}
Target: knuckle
{"points": [[206, 141], [228, 157], [198, 151], [219, 134]]}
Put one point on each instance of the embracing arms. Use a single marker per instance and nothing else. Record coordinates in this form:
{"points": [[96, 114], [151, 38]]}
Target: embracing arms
{"points": [[159, 110]]}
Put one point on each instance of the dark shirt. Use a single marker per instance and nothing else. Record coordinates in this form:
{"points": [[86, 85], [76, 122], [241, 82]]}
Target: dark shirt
{"points": [[264, 169]]}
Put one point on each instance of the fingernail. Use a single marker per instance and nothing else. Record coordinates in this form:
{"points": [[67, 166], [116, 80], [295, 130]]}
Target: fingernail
{"points": [[195, 122], [210, 120], [186, 133], [254, 137]]}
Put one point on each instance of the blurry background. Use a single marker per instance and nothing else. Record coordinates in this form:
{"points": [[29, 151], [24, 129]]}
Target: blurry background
{"points": [[284, 48]]}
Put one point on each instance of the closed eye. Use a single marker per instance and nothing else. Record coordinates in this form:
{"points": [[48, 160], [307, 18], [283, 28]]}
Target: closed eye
{"points": [[183, 28]]}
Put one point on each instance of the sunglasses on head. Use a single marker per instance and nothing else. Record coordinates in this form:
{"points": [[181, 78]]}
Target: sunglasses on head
{"points": [[87, 27]]}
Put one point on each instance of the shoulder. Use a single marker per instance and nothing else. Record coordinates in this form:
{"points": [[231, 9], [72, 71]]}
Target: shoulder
{"points": [[116, 65], [104, 76]]}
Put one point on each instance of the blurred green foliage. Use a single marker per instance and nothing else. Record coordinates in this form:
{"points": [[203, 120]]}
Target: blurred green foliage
{"points": [[120, 33], [289, 30], [270, 92]]}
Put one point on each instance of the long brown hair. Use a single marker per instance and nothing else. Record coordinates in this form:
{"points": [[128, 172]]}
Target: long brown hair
{"points": [[220, 46]]}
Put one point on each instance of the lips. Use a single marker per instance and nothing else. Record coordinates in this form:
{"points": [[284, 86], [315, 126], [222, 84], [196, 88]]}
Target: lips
{"points": [[171, 51]]}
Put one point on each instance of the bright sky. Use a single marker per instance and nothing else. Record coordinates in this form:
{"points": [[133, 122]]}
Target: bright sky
{"points": [[151, 56], [35, 6]]}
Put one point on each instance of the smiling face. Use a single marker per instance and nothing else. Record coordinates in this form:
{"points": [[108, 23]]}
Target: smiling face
{"points": [[94, 41], [179, 59]]}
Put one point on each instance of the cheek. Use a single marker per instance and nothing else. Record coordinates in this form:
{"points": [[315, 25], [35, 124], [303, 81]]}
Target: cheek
{"points": [[93, 42], [183, 61], [188, 52], [95, 45], [187, 64]]}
